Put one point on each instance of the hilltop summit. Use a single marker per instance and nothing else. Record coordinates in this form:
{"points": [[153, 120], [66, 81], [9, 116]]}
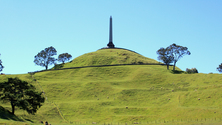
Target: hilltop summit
{"points": [[109, 56]]}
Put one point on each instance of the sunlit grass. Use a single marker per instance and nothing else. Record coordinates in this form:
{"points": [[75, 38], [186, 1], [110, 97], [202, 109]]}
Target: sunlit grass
{"points": [[148, 94]]}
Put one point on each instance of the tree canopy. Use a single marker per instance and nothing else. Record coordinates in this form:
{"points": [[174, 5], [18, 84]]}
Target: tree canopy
{"points": [[21, 94], [1, 66], [177, 52], [64, 57], [172, 54], [45, 57], [219, 68], [164, 56]]}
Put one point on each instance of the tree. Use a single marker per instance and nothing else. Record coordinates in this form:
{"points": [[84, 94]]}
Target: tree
{"points": [[21, 94], [45, 57], [177, 52], [220, 68], [1, 66], [64, 57], [164, 56]]}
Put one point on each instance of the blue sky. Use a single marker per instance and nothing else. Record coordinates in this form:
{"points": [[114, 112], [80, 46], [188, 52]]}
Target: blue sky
{"points": [[79, 27]]}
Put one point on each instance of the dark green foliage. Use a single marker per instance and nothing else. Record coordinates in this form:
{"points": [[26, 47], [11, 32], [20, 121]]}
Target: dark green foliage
{"points": [[165, 56], [21, 94], [64, 57], [45, 57], [172, 54], [1, 66], [219, 68], [58, 66], [177, 52], [190, 71]]}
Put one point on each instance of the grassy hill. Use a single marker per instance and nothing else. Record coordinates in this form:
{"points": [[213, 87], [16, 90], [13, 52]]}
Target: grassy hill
{"points": [[123, 94], [109, 57]]}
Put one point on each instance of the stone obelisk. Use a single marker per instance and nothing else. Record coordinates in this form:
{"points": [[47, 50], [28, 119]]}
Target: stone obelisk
{"points": [[110, 44]]}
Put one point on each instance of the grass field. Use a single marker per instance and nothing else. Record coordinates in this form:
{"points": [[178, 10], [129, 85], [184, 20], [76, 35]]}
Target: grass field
{"points": [[144, 94]]}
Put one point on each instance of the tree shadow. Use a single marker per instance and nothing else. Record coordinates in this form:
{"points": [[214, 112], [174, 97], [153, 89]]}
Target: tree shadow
{"points": [[7, 115], [29, 120], [177, 72]]}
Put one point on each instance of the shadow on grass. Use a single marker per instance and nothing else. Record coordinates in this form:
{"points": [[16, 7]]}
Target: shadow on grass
{"points": [[29, 120], [177, 72], [5, 114]]}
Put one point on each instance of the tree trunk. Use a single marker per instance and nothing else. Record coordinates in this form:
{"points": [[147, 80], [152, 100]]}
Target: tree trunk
{"points": [[174, 66], [167, 67], [13, 108], [46, 67]]}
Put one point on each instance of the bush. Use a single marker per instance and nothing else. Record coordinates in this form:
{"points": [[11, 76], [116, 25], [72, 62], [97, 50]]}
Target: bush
{"points": [[58, 66], [190, 71]]}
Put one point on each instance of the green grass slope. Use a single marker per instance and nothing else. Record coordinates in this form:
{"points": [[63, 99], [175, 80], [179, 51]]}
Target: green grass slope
{"points": [[109, 57], [125, 94], [150, 93]]}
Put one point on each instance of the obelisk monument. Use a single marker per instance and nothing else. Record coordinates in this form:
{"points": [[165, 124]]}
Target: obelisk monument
{"points": [[110, 44]]}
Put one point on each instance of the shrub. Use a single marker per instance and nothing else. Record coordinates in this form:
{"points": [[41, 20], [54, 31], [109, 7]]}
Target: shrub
{"points": [[58, 66], [190, 71]]}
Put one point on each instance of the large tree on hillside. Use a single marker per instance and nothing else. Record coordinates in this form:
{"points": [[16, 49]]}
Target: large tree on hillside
{"points": [[177, 52], [1, 66], [21, 94], [64, 57], [164, 56], [45, 57]]}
